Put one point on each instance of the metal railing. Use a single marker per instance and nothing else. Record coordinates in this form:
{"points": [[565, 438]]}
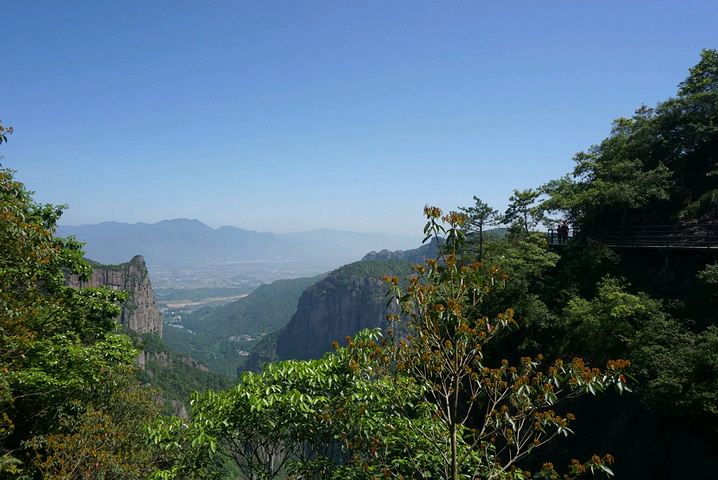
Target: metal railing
{"points": [[655, 236], [554, 237]]}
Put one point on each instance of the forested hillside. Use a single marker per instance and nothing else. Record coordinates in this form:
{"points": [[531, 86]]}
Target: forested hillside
{"points": [[218, 337], [349, 299], [652, 305], [176, 374]]}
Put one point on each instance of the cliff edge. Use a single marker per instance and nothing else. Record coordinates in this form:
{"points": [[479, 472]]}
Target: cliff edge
{"points": [[140, 312], [348, 300]]}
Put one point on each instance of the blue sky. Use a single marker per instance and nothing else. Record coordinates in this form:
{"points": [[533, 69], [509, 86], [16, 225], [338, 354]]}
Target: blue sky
{"points": [[287, 116]]}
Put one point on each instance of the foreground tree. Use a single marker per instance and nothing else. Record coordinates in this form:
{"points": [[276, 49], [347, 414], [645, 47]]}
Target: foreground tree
{"points": [[419, 402], [101, 438], [321, 419], [60, 354], [268, 424], [485, 418]]}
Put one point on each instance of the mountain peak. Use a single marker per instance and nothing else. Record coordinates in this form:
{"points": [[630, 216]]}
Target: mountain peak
{"points": [[188, 222]]}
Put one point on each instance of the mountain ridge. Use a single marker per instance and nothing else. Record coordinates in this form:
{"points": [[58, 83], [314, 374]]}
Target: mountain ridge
{"points": [[184, 241]]}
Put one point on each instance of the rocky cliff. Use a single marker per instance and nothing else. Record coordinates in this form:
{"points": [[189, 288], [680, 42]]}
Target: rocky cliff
{"points": [[140, 312], [349, 299]]}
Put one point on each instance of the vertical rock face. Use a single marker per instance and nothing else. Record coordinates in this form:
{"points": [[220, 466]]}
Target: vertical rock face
{"points": [[140, 313], [348, 300]]}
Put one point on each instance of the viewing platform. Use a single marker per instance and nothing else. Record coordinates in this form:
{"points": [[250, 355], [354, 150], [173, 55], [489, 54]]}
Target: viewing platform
{"points": [[688, 237]]}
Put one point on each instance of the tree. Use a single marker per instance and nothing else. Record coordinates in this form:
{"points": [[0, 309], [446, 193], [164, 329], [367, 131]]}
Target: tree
{"points": [[478, 217], [103, 438], [58, 345], [658, 166], [301, 417], [319, 419], [530, 264], [703, 77], [522, 211], [604, 326], [485, 419]]}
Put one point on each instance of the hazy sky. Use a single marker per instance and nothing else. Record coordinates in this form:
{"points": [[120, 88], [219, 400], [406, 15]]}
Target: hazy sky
{"points": [[292, 115]]}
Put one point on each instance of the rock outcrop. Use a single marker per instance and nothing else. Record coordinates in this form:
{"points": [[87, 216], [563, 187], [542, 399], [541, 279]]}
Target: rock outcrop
{"points": [[140, 312], [348, 300], [415, 256]]}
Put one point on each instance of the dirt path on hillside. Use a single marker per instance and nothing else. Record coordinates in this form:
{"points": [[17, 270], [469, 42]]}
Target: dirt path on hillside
{"points": [[200, 303]]}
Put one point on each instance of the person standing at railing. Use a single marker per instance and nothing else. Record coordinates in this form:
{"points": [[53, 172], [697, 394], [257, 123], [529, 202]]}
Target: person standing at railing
{"points": [[563, 232]]}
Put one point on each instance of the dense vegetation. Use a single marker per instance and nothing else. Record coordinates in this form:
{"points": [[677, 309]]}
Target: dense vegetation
{"points": [[654, 306], [499, 344], [70, 406], [175, 375]]}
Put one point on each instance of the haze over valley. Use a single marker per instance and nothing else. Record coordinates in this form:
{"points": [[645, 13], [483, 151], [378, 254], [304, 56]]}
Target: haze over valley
{"points": [[187, 254]]}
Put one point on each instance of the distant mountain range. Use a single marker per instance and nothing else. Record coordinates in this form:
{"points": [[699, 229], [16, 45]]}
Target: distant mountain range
{"points": [[182, 242]]}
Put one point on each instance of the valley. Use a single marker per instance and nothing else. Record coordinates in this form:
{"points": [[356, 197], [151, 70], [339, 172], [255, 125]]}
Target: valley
{"points": [[243, 275], [171, 307]]}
